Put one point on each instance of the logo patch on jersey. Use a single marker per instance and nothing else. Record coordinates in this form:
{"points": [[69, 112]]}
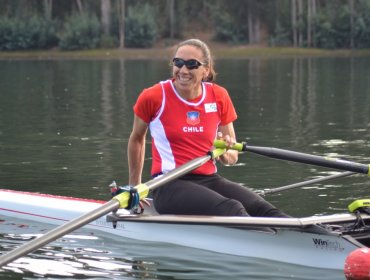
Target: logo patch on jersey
{"points": [[210, 107], [192, 117]]}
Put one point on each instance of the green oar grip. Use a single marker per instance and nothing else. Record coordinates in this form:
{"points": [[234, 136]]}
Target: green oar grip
{"points": [[220, 144], [217, 152], [123, 198]]}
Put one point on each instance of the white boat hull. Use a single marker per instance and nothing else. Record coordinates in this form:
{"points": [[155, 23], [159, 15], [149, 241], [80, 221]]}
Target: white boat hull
{"points": [[240, 236]]}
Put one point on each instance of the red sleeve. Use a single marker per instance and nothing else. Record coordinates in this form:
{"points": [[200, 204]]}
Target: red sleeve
{"points": [[228, 113], [148, 103]]}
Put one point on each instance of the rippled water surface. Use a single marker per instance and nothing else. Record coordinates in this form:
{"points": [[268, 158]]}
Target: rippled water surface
{"points": [[64, 127]]}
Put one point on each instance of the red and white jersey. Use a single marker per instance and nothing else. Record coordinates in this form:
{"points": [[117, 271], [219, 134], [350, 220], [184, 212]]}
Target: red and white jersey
{"points": [[182, 130]]}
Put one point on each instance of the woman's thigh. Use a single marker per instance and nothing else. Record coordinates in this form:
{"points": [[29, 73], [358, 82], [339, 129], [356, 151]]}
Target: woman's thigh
{"points": [[192, 198], [254, 204]]}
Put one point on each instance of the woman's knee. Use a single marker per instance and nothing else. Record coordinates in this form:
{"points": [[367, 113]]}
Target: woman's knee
{"points": [[231, 207]]}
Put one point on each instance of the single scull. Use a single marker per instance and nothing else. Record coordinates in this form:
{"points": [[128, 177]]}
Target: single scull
{"points": [[317, 241]]}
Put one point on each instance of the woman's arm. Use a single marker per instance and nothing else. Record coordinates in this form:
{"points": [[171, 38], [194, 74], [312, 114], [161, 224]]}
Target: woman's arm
{"points": [[136, 151]]}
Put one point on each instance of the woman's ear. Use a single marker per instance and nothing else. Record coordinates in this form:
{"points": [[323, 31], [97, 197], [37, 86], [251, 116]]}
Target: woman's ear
{"points": [[206, 74]]}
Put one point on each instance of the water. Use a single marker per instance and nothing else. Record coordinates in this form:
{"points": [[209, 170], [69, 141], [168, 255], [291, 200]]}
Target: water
{"points": [[64, 126], [87, 255]]}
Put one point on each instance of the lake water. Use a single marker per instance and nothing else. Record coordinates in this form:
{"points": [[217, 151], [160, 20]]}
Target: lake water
{"points": [[64, 126]]}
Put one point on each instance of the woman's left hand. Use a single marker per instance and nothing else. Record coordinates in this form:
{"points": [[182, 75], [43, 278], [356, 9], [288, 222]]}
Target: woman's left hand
{"points": [[230, 141], [230, 157]]}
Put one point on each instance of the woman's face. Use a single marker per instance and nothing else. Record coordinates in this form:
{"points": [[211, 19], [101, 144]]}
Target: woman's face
{"points": [[189, 80]]}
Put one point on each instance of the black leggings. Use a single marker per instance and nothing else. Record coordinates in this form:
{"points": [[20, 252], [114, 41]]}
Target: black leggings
{"points": [[211, 195]]}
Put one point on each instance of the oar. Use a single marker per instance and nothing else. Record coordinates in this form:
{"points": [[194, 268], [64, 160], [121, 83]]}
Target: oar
{"points": [[119, 201], [299, 157], [305, 183]]}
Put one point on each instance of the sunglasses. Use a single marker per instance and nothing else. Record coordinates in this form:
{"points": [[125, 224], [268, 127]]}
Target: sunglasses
{"points": [[190, 64]]}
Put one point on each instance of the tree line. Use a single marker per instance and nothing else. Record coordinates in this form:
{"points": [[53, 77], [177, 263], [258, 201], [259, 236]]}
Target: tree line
{"points": [[84, 24]]}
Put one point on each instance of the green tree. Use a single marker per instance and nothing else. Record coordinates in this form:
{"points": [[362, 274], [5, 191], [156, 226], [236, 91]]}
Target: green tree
{"points": [[140, 26], [80, 32]]}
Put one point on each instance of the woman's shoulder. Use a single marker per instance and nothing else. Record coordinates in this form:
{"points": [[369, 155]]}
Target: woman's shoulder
{"points": [[152, 94], [153, 90], [149, 102], [218, 89]]}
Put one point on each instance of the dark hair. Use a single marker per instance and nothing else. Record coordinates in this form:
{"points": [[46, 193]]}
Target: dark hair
{"points": [[208, 60]]}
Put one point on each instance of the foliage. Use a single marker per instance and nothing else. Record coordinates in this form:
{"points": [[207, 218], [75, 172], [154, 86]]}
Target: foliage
{"points": [[164, 23], [34, 33], [332, 25], [362, 25], [226, 29], [140, 27], [227, 24], [281, 36], [333, 29], [80, 32], [26, 24], [107, 42]]}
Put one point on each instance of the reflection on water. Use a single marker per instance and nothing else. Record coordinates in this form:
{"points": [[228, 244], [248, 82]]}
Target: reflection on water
{"points": [[64, 127], [84, 255]]}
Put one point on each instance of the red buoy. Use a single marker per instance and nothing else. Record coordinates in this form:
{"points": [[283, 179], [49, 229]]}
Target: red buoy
{"points": [[357, 265]]}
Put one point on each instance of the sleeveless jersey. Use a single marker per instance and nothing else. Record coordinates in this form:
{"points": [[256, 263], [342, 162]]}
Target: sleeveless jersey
{"points": [[182, 130]]}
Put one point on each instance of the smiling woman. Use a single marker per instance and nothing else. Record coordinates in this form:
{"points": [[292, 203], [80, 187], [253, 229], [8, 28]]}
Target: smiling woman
{"points": [[185, 115]]}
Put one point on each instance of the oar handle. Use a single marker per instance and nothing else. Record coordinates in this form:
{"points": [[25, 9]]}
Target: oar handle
{"points": [[299, 157], [220, 144]]}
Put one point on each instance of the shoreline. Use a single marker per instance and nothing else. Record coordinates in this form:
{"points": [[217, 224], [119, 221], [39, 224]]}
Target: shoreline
{"points": [[219, 52]]}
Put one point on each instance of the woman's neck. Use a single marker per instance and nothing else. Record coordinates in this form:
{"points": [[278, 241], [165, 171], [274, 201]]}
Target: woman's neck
{"points": [[189, 94]]}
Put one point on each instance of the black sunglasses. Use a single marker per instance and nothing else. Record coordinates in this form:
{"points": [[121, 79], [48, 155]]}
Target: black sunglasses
{"points": [[190, 64]]}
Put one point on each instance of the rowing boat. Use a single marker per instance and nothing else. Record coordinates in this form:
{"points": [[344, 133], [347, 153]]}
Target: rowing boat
{"points": [[316, 241]]}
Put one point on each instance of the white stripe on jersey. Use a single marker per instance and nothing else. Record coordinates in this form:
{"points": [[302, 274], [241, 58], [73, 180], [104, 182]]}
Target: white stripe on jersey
{"points": [[161, 142]]}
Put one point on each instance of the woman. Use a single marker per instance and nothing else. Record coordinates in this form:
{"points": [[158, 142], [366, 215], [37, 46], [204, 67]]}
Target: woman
{"points": [[185, 115]]}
